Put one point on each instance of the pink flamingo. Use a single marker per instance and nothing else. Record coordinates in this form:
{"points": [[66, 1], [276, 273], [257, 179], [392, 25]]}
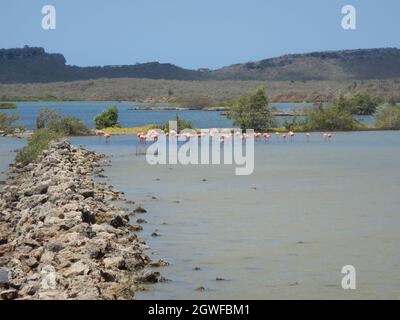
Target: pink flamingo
{"points": [[284, 137], [107, 136], [291, 135], [173, 133], [277, 136], [142, 137], [99, 133], [225, 136], [308, 136], [266, 137]]}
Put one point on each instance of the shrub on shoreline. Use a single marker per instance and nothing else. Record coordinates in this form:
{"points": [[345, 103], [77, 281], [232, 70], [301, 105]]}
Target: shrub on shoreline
{"points": [[55, 121], [69, 126], [181, 124], [389, 117], [38, 142], [361, 104], [7, 122], [45, 116], [329, 118], [252, 111], [107, 119]]}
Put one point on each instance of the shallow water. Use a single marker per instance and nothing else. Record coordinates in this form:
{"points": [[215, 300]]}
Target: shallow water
{"points": [[3, 276], [283, 232], [7, 154]]}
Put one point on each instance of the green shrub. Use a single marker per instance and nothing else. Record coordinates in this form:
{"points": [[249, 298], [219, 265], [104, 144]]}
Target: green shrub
{"points": [[7, 122], [389, 117], [181, 124], [359, 104], [45, 116], [70, 126], [55, 121], [6, 105], [329, 118], [252, 111], [392, 101], [294, 124], [38, 142], [107, 119]]}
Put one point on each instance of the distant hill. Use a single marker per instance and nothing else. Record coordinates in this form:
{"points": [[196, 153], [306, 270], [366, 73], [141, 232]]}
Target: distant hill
{"points": [[33, 65], [361, 64], [30, 65]]}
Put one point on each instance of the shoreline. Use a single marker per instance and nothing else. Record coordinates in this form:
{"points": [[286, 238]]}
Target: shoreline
{"points": [[62, 237], [135, 130]]}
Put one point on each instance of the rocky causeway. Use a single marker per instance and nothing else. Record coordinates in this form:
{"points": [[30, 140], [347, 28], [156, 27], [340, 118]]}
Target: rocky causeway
{"points": [[62, 236]]}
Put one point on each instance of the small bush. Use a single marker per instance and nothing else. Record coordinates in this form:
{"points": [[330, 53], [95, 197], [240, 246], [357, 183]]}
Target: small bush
{"points": [[7, 122], [389, 117], [107, 119], [55, 121], [294, 124], [45, 116], [70, 126], [329, 118], [38, 142], [252, 111], [181, 124], [359, 104]]}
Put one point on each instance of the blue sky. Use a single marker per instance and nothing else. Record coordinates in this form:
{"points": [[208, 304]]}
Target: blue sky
{"points": [[195, 33]]}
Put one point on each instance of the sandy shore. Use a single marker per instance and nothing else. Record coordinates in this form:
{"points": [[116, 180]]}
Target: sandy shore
{"points": [[61, 237]]}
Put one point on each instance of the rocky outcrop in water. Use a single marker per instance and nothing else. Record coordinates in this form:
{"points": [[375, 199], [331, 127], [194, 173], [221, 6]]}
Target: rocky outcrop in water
{"points": [[60, 235]]}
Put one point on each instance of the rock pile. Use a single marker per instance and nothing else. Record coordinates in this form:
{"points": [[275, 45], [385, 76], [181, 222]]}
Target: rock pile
{"points": [[61, 237]]}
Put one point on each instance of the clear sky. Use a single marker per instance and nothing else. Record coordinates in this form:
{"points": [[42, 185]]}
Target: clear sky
{"points": [[195, 33]]}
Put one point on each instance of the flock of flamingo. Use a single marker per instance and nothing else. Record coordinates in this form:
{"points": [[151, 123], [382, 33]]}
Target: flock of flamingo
{"points": [[153, 134]]}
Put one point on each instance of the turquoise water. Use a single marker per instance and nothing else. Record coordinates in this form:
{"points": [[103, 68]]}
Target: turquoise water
{"points": [[87, 110], [283, 232]]}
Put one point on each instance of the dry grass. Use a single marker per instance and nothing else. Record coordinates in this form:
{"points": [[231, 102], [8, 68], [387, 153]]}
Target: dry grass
{"points": [[140, 89]]}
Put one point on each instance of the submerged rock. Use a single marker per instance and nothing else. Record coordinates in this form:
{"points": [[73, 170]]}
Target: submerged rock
{"points": [[139, 209], [159, 263]]}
